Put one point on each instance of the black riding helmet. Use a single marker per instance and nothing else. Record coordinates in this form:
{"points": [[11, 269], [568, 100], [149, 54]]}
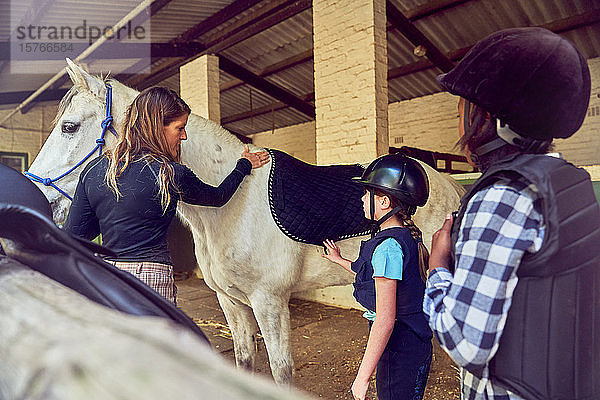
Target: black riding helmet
{"points": [[400, 177], [530, 79]]}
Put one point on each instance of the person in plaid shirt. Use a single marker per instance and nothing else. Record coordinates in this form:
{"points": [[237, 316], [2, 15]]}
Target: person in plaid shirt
{"points": [[512, 289]]}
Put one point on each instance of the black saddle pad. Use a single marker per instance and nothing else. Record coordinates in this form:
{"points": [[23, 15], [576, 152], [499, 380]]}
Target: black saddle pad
{"points": [[312, 203]]}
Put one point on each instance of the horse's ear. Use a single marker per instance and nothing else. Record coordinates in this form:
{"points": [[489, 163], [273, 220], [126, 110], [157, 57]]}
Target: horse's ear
{"points": [[80, 77]]}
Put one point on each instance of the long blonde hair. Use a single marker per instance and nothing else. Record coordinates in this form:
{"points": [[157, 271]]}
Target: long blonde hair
{"points": [[143, 138]]}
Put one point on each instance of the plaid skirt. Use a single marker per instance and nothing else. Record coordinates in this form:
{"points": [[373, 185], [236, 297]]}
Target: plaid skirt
{"points": [[156, 275]]}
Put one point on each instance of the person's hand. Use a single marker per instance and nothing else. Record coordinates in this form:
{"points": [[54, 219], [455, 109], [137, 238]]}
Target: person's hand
{"points": [[333, 251], [258, 159], [359, 389], [440, 246]]}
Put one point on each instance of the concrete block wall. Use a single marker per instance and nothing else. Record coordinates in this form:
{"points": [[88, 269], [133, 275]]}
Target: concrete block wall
{"points": [[428, 122], [26, 133], [583, 148], [297, 140]]}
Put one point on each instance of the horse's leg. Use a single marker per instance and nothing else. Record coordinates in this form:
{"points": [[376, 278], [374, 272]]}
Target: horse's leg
{"points": [[273, 316], [243, 330]]}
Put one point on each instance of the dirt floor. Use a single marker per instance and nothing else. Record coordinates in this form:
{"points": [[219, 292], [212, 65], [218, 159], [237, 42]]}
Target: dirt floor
{"points": [[327, 345]]}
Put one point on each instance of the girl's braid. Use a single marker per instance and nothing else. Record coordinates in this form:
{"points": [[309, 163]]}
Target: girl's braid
{"points": [[415, 232]]}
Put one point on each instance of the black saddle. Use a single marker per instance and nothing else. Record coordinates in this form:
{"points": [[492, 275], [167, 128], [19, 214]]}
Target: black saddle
{"points": [[34, 240], [311, 203]]}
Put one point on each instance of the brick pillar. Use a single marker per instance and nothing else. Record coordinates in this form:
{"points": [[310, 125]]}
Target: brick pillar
{"points": [[350, 61], [199, 88], [199, 84]]}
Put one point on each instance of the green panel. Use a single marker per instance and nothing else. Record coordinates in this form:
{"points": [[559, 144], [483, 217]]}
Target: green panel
{"points": [[466, 182], [597, 189]]}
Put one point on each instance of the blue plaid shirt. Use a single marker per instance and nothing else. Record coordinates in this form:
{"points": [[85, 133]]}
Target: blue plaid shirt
{"points": [[467, 311]]}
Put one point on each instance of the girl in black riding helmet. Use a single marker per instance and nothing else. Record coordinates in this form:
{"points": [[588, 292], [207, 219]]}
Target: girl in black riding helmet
{"points": [[389, 280]]}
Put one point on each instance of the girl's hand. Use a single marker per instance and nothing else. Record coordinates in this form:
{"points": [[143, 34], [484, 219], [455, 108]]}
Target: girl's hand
{"points": [[359, 389], [258, 159], [333, 251], [333, 254]]}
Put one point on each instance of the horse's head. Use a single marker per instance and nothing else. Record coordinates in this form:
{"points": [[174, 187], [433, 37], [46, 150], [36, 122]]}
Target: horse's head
{"points": [[77, 126]]}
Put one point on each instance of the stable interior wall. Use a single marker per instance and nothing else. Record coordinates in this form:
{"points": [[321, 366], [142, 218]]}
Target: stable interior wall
{"points": [[583, 148], [26, 133], [298, 140]]}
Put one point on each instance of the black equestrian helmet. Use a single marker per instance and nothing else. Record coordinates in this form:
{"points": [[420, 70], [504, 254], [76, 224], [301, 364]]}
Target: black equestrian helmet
{"points": [[400, 176], [532, 79]]}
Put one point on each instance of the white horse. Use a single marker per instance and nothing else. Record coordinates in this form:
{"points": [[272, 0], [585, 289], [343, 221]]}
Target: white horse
{"points": [[244, 257]]}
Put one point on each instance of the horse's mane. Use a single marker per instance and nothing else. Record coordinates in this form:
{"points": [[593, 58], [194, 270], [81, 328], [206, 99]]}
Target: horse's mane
{"points": [[75, 89]]}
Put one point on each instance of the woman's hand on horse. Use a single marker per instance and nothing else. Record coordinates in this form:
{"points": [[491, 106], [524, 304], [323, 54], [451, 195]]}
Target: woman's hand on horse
{"points": [[257, 159], [440, 246]]}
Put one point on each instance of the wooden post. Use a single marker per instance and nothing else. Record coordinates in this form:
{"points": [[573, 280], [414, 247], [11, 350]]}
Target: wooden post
{"points": [[56, 344]]}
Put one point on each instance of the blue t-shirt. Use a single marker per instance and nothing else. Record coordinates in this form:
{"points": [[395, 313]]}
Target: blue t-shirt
{"points": [[388, 262]]}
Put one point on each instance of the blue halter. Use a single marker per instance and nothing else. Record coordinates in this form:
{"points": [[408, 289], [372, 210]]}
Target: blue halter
{"points": [[106, 125]]}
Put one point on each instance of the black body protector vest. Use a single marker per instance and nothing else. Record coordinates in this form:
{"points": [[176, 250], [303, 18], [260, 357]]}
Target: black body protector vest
{"points": [[550, 346], [409, 291]]}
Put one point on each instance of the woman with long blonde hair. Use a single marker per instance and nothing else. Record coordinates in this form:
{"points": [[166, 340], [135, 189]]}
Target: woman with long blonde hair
{"points": [[130, 194]]}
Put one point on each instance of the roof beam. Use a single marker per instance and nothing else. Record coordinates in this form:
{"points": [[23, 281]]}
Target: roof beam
{"points": [[138, 20], [288, 9], [290, 62], [558, 26], [114, 51], [276, 106], [423, 65], [574, 22], [218, 18], [267, 87], [413, 15], [265, 10], [431, 8], [18, 97], [206, 25], [416, 37], [258, 25]]}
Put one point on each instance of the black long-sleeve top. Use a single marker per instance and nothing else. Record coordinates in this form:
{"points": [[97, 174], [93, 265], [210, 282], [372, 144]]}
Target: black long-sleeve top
{"points": [[135, 227]]}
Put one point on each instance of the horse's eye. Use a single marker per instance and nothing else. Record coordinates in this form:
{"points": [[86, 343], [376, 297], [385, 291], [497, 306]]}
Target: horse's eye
{"points": [[69, 127]]}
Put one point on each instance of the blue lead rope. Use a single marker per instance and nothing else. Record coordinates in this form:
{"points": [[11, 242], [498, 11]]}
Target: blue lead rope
{"points": [[106, 125]]}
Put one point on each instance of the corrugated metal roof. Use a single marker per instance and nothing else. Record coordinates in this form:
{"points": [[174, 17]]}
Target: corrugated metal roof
{"points": [[452, 28], [180, 15]]}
